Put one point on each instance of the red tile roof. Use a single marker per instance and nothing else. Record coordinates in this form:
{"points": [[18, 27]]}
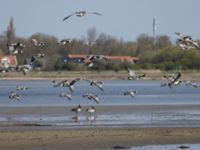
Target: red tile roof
{"points": [[11, 59]]}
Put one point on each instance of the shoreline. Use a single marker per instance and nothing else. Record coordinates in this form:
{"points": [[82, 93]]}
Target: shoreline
{"points": [[105, 75], [98, 138], [20, 110]]}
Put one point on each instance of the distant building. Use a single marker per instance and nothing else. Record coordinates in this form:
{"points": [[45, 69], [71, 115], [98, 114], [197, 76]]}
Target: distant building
{"points": [[128, 59], [80, 58], [9, 60]]}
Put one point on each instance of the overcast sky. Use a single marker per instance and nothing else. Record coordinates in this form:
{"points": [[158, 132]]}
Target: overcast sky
{"points": [[125, 19]]}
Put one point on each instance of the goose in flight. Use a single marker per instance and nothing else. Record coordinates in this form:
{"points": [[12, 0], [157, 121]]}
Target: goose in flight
{"points": [[67, 83], [21, 88], [131, 93], [81, 14], [65, 95], [14, 95], [24, 68], [37, 43], [64, 41], [186, 42], [92, 97], [173, 80], [133, 76], [15, 48], [192, 84], [98, 84]]}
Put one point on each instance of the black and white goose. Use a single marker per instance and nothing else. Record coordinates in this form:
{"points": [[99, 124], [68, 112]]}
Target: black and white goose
{"points": [[133, 76], [24, 68], [91, 110], [67, 83], [130, 93], [98, 84], [40, 55], [175, 81], [37, 43], [81, 14], [91, 96], [190, 83], [14, 95], [77, 109], [65, 95], [15, 48], [64, 41], [21, 88]]}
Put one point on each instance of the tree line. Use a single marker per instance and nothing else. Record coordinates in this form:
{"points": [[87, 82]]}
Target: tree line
{"points": [[159, 53]]}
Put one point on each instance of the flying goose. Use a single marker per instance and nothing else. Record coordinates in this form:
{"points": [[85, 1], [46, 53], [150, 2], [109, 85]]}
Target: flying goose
{"points": [[98, 84], [66, 83], [186, 42], [81, 14], [64, 41], [14, 95], [190, 83], [15, 48], [65, 95], [92, 97], [133, 76], [24, 68], [21, 88], [173, 80], [131, 93], [37, 43]]}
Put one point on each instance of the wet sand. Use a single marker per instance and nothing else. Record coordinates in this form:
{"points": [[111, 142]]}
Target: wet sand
{"points": [[45, 138], [30, 136]]}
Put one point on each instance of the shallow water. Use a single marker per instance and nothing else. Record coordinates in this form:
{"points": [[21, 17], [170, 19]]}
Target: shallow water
{"points": [[166, 147], [42, 93]]}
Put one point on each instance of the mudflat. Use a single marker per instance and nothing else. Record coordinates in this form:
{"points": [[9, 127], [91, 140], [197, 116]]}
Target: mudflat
{"points": [[43, 138]]}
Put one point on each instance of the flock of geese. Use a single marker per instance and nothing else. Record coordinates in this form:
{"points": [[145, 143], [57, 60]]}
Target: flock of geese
{"points": [[171, 81], [184, 42]]}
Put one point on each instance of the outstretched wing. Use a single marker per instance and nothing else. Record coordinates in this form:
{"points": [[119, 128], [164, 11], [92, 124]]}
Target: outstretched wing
{"points": [[131, 73], [67, 17], [95, 13]]}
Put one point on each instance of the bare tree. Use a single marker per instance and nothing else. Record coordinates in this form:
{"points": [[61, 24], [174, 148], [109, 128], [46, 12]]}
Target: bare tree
{"points": [[92, 35], [10, 33]]}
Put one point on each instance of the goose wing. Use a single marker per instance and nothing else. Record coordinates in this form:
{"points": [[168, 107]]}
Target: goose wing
{"points": [[95, 13], [131, 73], [68, 17]]}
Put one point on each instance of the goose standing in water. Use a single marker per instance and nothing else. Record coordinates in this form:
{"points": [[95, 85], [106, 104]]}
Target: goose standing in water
{"points": [[91, 110], [92, 97], [81, 14], [65, 95], [131, 93], [77, 109]]}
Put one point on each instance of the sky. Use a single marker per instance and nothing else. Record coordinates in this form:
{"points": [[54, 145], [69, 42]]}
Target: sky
{"points": [[124, 19]]}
